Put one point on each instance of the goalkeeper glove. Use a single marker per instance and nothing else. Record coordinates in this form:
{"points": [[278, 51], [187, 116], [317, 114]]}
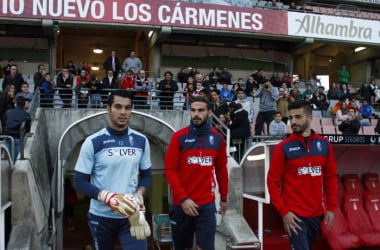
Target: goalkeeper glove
{"points": [[140, 228], [119, 203]]}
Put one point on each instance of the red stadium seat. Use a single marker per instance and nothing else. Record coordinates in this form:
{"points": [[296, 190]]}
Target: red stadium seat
{"points": [[338, 237], [372, 206], [352, 184], [371, 183], [358, 220]]}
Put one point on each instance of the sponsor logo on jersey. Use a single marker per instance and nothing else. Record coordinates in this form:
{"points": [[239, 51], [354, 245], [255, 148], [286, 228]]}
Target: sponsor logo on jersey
{"points": [[204, 161], [108, 141], [189, 140], [211, 139], [294, 149], [122, 151], [313, 171]]}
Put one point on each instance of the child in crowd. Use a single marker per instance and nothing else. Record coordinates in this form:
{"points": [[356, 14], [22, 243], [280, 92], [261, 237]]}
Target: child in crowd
{"points": [[47, 92], [25, 92], [277, 126]]}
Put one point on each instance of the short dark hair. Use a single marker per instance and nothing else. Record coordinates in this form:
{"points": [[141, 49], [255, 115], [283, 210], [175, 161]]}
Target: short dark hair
{"points": [[301, 104], [240, 90], [277, 113], [202, 99], [216, 91], [20, 101], [121, 93], [168, 72]]}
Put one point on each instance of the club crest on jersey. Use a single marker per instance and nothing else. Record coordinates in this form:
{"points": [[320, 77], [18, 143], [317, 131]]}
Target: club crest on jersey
{"points": [[211, 139], [319, 146], [131, 140]]}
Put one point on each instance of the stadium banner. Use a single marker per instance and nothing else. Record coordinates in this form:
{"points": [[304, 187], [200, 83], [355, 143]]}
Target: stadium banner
{"points": [[333, 27], [157, 13], [353, 139]]}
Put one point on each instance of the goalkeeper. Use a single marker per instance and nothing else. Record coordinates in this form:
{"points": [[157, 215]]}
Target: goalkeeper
{"points": [[108, 170]]}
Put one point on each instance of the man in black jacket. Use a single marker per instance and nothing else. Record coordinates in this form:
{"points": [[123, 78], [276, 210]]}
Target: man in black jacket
{"points": [[13, 120], [351, 125]]}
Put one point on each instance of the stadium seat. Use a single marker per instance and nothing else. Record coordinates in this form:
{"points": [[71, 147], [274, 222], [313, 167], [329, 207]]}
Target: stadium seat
{"points": [[351, 183], [338, 237], [359, 222], [371, 183], [329, 130], [372, 206]]}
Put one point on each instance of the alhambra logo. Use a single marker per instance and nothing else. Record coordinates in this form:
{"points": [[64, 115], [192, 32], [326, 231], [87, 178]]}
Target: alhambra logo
{"points": [[315, 25]]}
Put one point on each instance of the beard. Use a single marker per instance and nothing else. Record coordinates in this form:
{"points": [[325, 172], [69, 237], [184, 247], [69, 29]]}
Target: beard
{"points": [[300, 129], [198, 122]]}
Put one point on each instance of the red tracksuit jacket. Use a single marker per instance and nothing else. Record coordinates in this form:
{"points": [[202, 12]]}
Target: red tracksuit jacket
{"points": [[190, 162], [300, 174]]}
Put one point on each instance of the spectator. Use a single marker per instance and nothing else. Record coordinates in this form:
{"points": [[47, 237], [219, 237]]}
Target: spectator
{"points": [[65, 82], [365, 92], [308, 93], [128, 81], [82, 93], [182, 75], [341, 113], [192, 72], [282, 104], [13, 120], [226, 93], [83, 76], [345, 92], [72, 68], [259, 76], [268, 104], [240, 128], [25, 92], [273, 5], [293, 6], [113, 63], [47, 92], [366, 109], [7, 100], [188, 92], [353, 103], [109, 83], [13, 78], [94, 87], [334, 93], [277, 127], [250, 86], [343, 75], [287, 79], [319, 102], [372, 86], [275, 79], [39, 76], [234, 89], [225, 76], [214, 76], [246, 104], [142, 86], [351, 125], [7, 69], [295, 94], [85, 67], [167, 88], [132, 62], [218, 105]]}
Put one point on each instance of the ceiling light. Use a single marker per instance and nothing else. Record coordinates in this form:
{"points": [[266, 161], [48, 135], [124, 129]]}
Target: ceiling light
{"points": [[150, 34], [95, 68], [357, 49], [97, 51]]}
